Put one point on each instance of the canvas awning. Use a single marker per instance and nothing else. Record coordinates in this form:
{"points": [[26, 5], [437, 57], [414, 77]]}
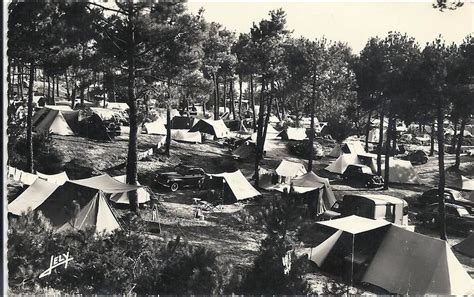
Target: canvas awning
{"points": [[32, 197], [106, 184], [354, 224], [58, 178], [121, 198]]}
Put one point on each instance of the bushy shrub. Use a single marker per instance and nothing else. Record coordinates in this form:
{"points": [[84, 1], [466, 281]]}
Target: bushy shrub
{"points": [[338, 129], [268, 275], [123, 262], [47, 158]]}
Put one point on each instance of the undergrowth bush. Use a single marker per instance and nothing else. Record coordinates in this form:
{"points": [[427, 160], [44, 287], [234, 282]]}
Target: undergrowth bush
{"points": [[123, 262]]}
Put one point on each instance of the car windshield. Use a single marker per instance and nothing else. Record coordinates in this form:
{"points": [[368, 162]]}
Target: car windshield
{"points": [[463, 212]]}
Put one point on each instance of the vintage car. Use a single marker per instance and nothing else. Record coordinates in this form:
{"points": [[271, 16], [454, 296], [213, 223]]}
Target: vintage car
{"points": [[184, 176]]}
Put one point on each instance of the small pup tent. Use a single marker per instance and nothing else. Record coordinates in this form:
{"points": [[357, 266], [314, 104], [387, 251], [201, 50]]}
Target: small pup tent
{"points": [[292, 134], [59, 122], [157, 127], [236, 186], [121, 198], [216, 128], [288, 170], [326, 198], [185, 136]]}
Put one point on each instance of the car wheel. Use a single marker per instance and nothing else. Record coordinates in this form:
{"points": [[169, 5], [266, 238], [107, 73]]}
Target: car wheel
{"points": [[174, 187]]}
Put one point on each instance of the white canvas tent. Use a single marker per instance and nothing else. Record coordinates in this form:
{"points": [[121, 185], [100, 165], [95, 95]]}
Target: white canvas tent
{"points": [[288, 170], [401, 172], [185, 136], [96, 214], [410, 263], [348, 147], [52, 120], [340, 165], [216, 128], [157, 127], [240, 188], [293, 134], [121, 198]]}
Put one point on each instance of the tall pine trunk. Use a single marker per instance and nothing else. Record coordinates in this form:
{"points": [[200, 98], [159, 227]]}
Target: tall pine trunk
{"points": [[258, 156], [20, 81], [394, 137], [441, 205], [252, 102], [380, 144], [240, 96], [57, 86], [311, 133], [459, 143], [218, 100], [29, 124], [453, 139], [53, 98], [49, 90], [225, 94], [132, 141], [387, 152], [367, 131], [68, 95], [231, 91], [432, 138]]}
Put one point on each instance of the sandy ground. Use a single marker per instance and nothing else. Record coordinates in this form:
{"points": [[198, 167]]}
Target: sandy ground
{"points": [[225, 230]]}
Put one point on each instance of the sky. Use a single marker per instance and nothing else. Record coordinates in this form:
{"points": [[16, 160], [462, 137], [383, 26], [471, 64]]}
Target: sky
{"points": [[352, 22]]}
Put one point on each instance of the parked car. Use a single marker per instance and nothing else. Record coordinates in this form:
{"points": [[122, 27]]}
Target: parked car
{"points": [[183, 176], [457, 217], [418, 157], [450, 196], [364, 174]]}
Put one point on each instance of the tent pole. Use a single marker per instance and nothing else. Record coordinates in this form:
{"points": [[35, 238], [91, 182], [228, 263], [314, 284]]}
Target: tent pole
{"points": [[352, 262]]}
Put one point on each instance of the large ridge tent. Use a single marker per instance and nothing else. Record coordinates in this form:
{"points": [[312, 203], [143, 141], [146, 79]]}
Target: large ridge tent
{"points": [[466, 247], [217, 128], [107, 114], [410, 263], [185, 136], [236, 125], [293, 134], [122, 198], [288, 170], [32, 197], [236, 186], [81, 204], [59, 122], [157, 127], [401, 172], [248, 149]]}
